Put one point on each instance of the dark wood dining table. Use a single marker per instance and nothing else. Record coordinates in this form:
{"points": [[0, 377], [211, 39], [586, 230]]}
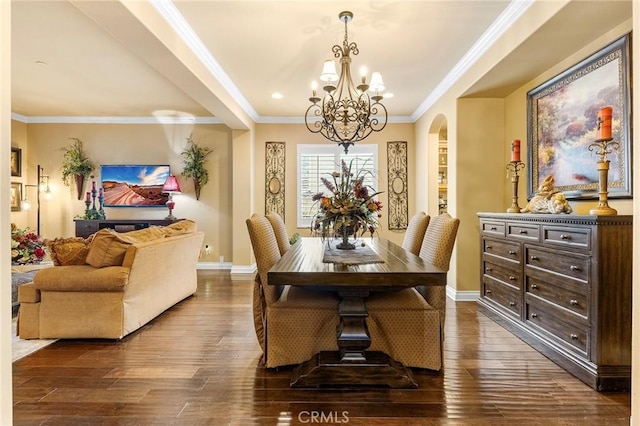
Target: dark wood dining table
{"points": [[302, 265]]}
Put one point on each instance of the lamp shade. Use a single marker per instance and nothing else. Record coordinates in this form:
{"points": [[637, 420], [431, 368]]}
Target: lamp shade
{"points": [[171, 185], [376, 84], [329, 71]]}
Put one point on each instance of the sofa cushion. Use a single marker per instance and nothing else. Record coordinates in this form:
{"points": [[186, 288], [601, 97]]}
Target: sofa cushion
{"points": [[82, 278], [68, 251], [107, 249], [184, 226]]}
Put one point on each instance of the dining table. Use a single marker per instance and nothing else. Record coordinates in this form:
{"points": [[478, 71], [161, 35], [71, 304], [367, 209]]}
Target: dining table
{"points": [[376, 265]]}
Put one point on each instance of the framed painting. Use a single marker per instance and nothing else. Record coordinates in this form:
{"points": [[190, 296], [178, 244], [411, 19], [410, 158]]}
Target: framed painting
{"points": [[127, 185], [16, 196], [16, 162], [562, 123]]}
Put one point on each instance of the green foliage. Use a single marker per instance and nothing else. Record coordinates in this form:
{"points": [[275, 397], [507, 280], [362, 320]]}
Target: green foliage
{"points": [[194, 158], [294, 238], [75, 162]]}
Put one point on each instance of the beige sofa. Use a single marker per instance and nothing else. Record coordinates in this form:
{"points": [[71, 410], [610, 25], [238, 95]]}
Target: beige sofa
{"points": [[111, 286]]}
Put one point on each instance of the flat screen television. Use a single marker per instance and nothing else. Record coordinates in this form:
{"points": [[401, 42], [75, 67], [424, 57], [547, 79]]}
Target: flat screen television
{"points": [[127, 185]]}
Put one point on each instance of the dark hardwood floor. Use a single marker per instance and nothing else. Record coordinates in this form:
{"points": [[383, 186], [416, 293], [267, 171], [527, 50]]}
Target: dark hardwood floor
{"points": [[197, 364]]}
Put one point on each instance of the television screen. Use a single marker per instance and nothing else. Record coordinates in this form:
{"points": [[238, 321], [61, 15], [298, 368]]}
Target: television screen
{"points": [[134, 185]]}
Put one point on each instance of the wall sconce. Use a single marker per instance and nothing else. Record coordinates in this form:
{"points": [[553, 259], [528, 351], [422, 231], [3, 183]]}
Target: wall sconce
{"points": [[43, 187], [171, 186]]}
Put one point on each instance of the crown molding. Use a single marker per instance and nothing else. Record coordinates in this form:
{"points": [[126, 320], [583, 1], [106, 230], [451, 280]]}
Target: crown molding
{"points": [[506, 19], [114, 120]]}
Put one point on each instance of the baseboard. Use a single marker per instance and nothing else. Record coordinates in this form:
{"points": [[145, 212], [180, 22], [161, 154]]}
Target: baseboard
{"points": [[462, 296], [243, 272], [214, 265]]}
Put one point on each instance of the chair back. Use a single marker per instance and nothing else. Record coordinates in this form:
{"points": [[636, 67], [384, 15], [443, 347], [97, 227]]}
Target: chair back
{"points": [[280, 230], [414, 234], [439, 238], [437, 248], [265, 249]]}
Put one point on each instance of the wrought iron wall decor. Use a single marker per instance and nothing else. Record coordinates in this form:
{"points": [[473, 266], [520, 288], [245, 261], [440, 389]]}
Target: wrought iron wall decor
{"points": [[274, 177], [398, 193]]}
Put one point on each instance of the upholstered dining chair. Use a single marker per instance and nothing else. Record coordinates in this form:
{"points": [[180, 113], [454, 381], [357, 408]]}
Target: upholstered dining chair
{"points": [[279, 228], [292, 324], [414, 234], [437, 247]]}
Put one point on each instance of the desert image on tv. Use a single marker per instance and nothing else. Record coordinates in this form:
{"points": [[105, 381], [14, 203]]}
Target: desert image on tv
{"points": [[134, 186]]}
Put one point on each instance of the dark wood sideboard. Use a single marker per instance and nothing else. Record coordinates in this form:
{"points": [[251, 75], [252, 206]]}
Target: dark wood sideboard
{"points": [[84, 228], [562, 283]]}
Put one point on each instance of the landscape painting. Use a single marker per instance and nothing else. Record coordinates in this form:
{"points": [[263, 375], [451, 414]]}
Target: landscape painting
{"points": [[134, 185], [563, 123]]}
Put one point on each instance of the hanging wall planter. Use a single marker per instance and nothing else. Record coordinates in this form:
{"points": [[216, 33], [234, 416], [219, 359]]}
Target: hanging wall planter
{"points": [[194, 157], [76, 165]]}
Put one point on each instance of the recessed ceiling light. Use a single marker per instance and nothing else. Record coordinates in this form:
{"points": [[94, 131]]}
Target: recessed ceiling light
{"points": [[277, 95], [388, 95]]}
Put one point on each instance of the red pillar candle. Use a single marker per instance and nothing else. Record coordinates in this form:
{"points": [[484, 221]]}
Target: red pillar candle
{"points": [[88, 196], [93, 185], [604, 123], [515, 150]]}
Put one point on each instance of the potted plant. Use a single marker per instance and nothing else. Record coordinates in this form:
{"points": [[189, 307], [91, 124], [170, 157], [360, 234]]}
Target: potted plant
{"points": [[194, 158], [76, 164]]}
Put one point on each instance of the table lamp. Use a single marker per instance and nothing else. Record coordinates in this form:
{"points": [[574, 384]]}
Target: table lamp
{"points": [[171, 186]]}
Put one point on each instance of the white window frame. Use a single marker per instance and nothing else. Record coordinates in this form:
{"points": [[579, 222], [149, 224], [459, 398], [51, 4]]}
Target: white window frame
{"points": [[304, 221]]}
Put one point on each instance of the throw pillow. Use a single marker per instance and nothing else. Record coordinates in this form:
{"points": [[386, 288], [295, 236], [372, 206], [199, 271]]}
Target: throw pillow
{"points": [[184, 226], [68, 251], [107, 249]]}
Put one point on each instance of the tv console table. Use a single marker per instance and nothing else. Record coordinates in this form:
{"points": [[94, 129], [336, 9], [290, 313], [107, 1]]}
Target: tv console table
{"points": [[84, 227]]}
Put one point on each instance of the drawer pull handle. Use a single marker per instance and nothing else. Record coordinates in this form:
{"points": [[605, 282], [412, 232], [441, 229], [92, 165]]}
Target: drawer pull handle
{"points": [[488, 291], [573, 302], [565, 237], [512, 252], [493, 228], [534, 286], [533, 257], [512, 304], [574, 336], [574, 268], [523, 231], [489, 269], [512, 278], [534, 315], [489, 247]]}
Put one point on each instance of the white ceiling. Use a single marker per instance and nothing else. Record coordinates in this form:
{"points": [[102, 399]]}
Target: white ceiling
{"points": [[119, 59]]}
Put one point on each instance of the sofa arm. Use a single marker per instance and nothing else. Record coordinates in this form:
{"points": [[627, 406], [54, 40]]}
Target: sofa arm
{"points": [[82, 278]]}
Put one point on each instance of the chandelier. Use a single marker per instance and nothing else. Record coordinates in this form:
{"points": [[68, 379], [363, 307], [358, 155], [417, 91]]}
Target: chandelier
{"points": [[347, 114]]}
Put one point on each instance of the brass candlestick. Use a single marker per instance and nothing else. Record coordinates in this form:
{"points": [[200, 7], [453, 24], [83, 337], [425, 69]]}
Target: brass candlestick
{"points": [[604, 147], [512, 169]]}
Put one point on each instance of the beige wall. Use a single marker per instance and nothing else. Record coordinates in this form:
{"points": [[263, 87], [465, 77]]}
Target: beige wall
{"points": [[295, 134], [132, 144]]}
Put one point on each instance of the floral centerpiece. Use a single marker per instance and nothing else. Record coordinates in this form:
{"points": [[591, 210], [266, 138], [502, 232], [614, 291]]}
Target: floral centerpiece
{"points": [[26, 247], [349, 210]]}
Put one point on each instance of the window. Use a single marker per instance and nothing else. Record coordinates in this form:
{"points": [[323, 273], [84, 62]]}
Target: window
{"points": [[316, 161]]}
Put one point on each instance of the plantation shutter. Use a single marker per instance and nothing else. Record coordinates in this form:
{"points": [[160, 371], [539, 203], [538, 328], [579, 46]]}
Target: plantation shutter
{"points": [[317, 161]]}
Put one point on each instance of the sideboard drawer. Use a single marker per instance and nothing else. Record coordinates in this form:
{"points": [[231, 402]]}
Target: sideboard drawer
{"points": [[567, 237], [523, 231], [504, 296], [509, 276], [572, 301], [505, 249], [573, 266], [492, 228], [85, 228], [575, 336]]}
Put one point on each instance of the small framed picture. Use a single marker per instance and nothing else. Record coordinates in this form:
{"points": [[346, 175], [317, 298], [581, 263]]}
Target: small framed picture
{"points": [[16, 162], [16, 196]]}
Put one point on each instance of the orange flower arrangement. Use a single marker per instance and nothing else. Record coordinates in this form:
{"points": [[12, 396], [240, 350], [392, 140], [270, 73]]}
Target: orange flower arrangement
{"points": [[350, 209]]}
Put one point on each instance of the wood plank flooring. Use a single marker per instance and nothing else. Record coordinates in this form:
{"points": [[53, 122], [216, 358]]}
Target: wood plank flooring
{"points": [[197, 364]]}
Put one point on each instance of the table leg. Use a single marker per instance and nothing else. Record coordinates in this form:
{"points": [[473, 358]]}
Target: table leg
{"points": [[353, 364]]}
